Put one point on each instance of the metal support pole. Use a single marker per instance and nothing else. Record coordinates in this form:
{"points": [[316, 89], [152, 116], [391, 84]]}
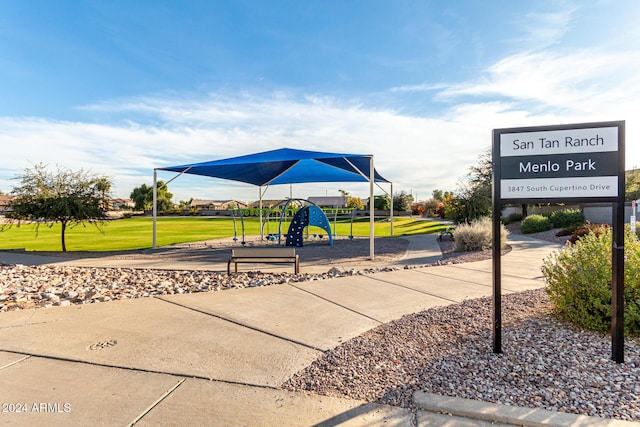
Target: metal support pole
{"points": [[260, 213], [372, 179], [155, 206], [617, 258], [497, 281], [496, 249], [392, 209], [617, 285]]}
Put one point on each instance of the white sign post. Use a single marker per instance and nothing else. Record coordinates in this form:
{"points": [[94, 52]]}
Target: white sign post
{"points": [[555, 164]]}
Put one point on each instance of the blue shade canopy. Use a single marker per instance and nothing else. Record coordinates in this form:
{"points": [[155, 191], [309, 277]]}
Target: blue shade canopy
{"points": [[285, 166]]}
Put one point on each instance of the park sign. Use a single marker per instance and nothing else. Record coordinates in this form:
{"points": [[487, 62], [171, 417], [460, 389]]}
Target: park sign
{"points": [[579, 162], [576, 163]]}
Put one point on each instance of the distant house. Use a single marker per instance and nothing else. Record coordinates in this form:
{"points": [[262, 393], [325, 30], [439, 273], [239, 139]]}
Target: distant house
{"points": [[265, 203], [123, 204], [4, 204], [216, 205], [330, 201]]}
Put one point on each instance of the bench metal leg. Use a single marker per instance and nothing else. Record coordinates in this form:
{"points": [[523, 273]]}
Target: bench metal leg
{"points": [[229, 266], [296, 263]]}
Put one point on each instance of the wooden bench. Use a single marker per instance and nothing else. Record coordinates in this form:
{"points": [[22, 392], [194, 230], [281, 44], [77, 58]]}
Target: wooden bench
{"points": [[264, 255]]}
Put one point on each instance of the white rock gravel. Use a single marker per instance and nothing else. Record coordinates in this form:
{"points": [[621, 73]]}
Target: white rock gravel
{"points": [[448, 351], [23, 287]]}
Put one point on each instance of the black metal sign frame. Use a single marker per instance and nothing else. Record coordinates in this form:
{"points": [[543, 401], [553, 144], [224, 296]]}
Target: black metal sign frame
{"points": [[557, 164]]}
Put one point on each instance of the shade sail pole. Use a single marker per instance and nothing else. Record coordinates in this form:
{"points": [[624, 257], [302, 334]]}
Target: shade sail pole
{"points": [[260, 213], [372, 178], [392, 209], [155, 206]]}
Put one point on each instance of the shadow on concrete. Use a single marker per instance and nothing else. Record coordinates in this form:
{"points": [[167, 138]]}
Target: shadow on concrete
{"points": [[372, 413]]}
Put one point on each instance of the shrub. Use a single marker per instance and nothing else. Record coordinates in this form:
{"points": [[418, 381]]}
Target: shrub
{"points": [[566, 231], [511, 218], [535, 224], [477, 236], [579, 281], [579, 232], [567, 218]]}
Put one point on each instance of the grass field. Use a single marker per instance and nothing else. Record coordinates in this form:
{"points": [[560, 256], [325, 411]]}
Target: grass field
{"points": [[136, 233]]}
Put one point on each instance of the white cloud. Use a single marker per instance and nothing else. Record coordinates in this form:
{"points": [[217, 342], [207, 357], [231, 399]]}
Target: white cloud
{"points": [[419, 88], [411, 151], [550, 78], [541, 30]]}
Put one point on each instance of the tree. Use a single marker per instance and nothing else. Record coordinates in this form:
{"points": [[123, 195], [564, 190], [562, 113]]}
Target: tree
{"points": [[632, 185], [474, 196], [140, 195], [143, 197], [355, 203], [68, 197], [103, 186], [430, 206], [402, 201], [381, 203], [185, 204]]}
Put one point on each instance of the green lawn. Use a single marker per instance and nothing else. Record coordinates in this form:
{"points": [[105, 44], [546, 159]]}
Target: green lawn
{"points": [[136, 233]]}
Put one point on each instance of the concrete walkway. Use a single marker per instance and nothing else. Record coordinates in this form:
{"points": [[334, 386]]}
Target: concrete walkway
{"points": [[217, 358]]}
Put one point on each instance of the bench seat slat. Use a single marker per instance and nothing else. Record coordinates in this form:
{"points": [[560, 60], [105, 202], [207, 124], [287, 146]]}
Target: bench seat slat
{"points": [[263, 255]]}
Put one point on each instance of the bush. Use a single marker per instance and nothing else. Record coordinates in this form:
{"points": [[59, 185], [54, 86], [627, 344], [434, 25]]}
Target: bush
{"points": [[477, 236], [511, 218], [535, 224], [566, 231], [567, 218], [579, 281], [579, 232]]}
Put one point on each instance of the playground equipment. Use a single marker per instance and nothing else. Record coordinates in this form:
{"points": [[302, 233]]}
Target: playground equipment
{"points": [[336, 211], [305, 216], [235, 231], [267, 217], [310, 215], [353, 215]]}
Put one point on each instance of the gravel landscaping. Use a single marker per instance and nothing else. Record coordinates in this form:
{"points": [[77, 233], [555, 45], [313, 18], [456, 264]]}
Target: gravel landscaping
{"points": [[24, 287], [448, 351]]}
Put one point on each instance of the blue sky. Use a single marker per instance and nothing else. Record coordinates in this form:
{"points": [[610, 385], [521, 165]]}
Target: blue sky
{"points": [[122, 87]]}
